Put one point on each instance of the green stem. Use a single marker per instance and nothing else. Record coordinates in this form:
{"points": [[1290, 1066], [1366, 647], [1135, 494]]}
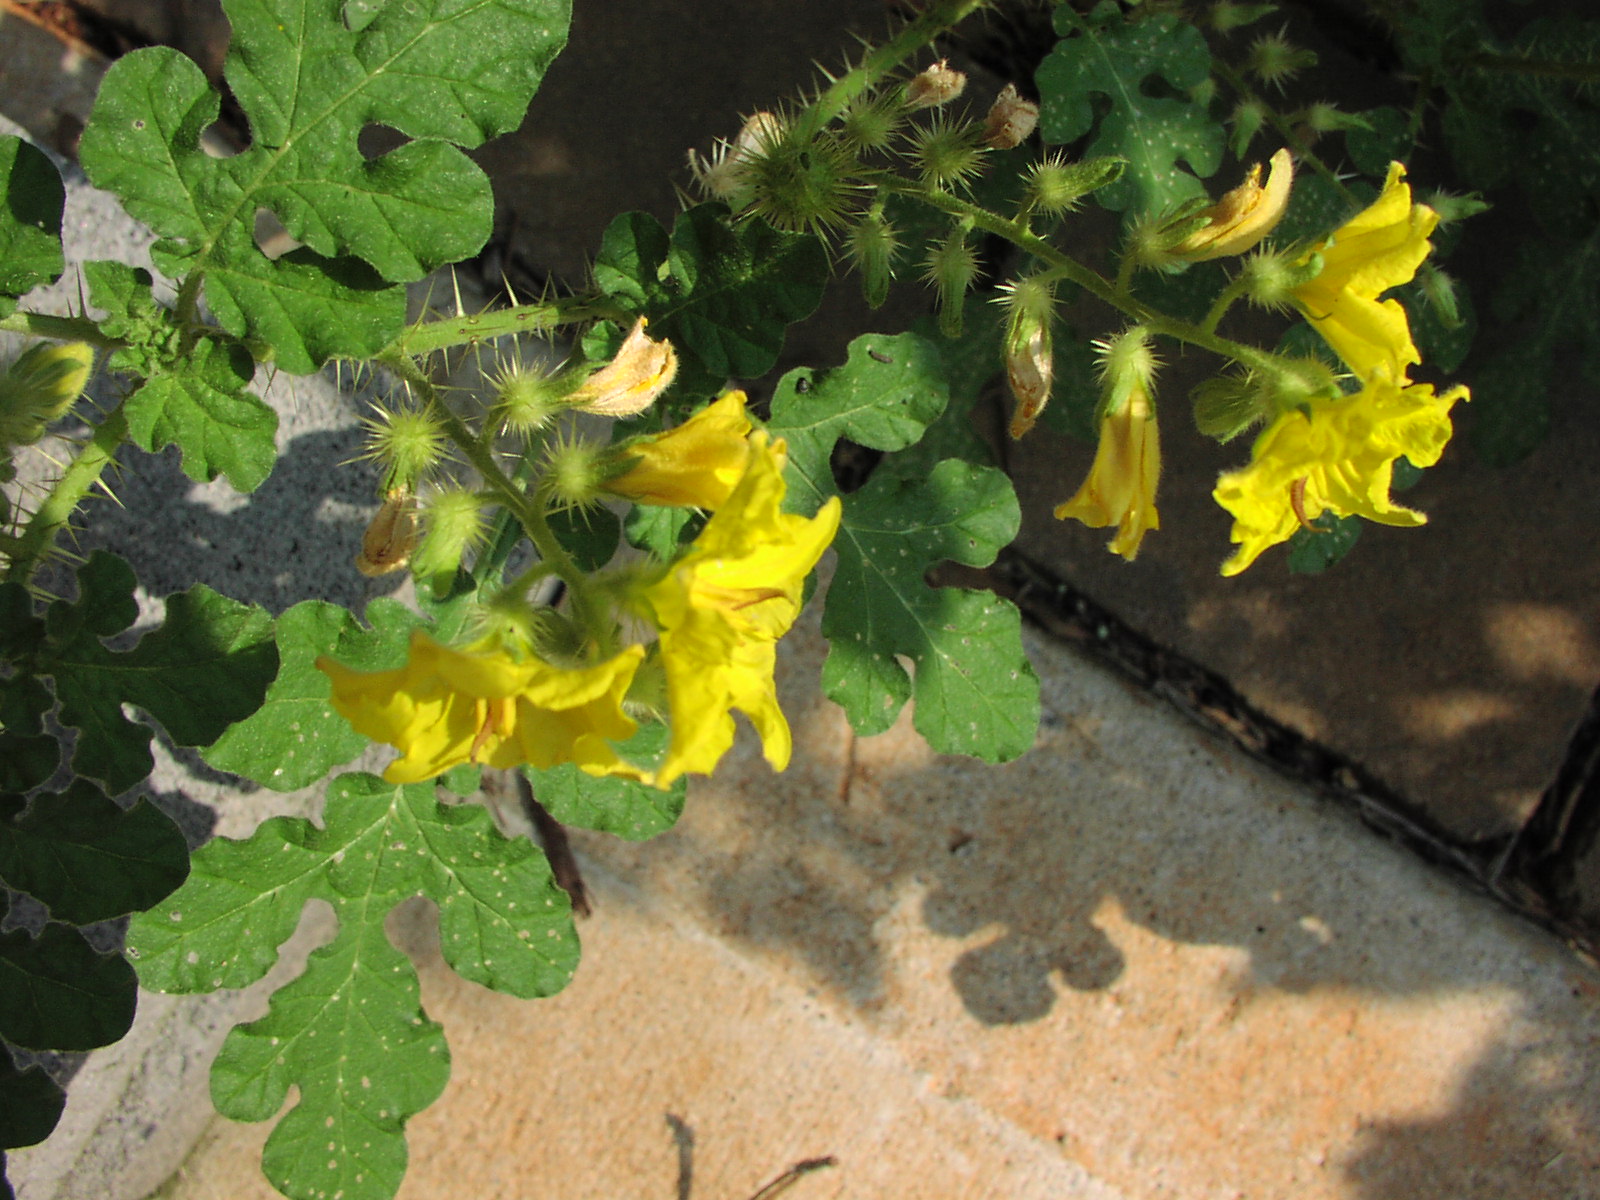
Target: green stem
{"points": [[1225, 300], [1090, 281], [470, 329], [82, 473], [880, 60], [62, 329]]}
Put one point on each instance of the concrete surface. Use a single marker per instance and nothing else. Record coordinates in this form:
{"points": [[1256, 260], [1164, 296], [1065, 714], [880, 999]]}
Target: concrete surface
{"points": [[1132, 964]]}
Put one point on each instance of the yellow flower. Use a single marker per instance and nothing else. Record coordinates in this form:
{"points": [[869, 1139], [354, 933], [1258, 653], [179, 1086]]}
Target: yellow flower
{"points": [[482, 704], [1380, 248], [1121, 488], [695, 465], [722, 609], [1339, 459], [630, 382], [1243, 216]]}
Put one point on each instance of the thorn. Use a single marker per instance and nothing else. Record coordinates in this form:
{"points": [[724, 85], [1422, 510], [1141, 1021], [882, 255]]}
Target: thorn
{"points": [[455, 282]]}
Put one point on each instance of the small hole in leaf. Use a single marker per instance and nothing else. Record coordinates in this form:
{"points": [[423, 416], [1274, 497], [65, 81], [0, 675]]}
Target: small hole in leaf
{"points": [[272, 239], [377, 140]]}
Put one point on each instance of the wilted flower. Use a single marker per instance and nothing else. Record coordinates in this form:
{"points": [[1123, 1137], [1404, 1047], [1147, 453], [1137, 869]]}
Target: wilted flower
{"points": [[938, 84], [1243, 216], [391, 536], [723, 607], [1011, 119], [641, 370], [1380, 248], [485, 704], [1334, 456], [695, 465]]}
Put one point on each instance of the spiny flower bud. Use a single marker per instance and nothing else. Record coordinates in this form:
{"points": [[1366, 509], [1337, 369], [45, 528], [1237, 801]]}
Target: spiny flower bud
{"points": [[1010, 120], [1243, 216], [1453, 207], [630, 383], [1439, 291], [870, 123], [1269, 279], [1226, 16], [1054, 186], [526, 399], [951, 267], [1029, 348], [454, 525], [947, 153], [1224, 407], [391, 535], [409, 442], [39, 387], [873, 246], [798, 178], [939, 84], [1275, 60], [575, 471], [1249, 117], [1323, 117]]}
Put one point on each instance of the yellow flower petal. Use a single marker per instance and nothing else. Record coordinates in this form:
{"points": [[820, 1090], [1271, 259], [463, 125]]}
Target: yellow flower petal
{"points": [[722, 609], [1121, 487], [1339, 459], [481, 704], [1380, 248], [695, 465], [1243, 216]]}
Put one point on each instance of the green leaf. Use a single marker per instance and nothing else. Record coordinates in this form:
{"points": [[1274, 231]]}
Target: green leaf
{"points": [[659, 529], [206, 666], [591, 536], [722, 291], [974, 690], [1386, 139], [26, 762], [87, 858], [1313, 552], [295, 738], [1141, 67], [350, 1032], [437, 71], [56, 993], [608, 803], [887, 393], [30, 1105], [202, 407], [31, 199]]}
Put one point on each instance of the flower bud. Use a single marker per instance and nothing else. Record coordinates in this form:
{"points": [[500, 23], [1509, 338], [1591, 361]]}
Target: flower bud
{"points": [[39, 387], [1224, 407], [1323, 117], [454, 525], [391, 535], [947, 154], [1275, 60], [952, 266], [1010, 120], [409, 442], [575, 471], [939, 84], [1054, 186], [630, 383], [1127, 364], [873, 246], [870, 123], [1248, 119], [1243, 216], [1226, 16], [1439, 292], [1269, 279], [527, 399]]}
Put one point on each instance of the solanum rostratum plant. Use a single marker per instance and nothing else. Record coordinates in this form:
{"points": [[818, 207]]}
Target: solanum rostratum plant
{"points": [[595, 607]]}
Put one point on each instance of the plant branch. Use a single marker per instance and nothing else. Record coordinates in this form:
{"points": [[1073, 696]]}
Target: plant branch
{"points": [[56, 510]]}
